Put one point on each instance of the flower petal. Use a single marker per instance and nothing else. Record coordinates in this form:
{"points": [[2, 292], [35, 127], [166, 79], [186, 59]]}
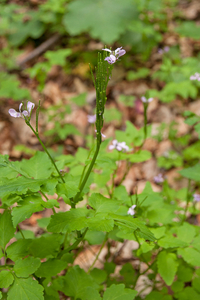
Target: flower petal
{"points": [[14, 113], [106, 49], [30, 106], [25, 113]]}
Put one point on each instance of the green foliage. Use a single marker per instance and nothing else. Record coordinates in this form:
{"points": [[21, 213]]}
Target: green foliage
{"points": [[16, 93], [98, 12], [167, 266]]}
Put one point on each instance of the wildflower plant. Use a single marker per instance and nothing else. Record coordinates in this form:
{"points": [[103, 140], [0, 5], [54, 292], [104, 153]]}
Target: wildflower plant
{"points": [[101, 212]]}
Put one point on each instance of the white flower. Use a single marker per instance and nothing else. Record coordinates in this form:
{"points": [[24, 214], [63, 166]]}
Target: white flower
{"points": [[145, 100], [24, 113], [91, 119], [131, 210], [114, 55], [118, 146]]}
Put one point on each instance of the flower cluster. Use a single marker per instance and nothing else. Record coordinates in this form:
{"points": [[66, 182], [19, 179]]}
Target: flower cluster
{"points": [[91, 119], [165, 49], [145, 100], [114, 55], [118, 146], [22, 114], [196, 76], [131, 210]]}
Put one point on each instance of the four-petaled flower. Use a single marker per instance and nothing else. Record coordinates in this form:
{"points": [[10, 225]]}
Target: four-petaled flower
{"points": [[118, 146], [145, 100], [131, 210], [24, 113], [196, 197], [91, 119], [114, 55]]}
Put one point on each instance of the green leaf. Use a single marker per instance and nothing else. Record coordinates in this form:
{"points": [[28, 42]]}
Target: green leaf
{"points": [[6, 279], [189, 29], [190, 255], [98, 275], [68, 221], [119, 292], [45, 246], [167, 266], [169, 241], [102, 204], [186, 232], [98, 19], [139, 156], [27, 266], [129, 225], [7, 229], [100, 222], [25, 289], [79, 100], [20, 185], [18, 249], [51, 268], [58, 57], [95, 237], [38, 167], [192, 172], [69, 189], [79, 284], [31, 204]]}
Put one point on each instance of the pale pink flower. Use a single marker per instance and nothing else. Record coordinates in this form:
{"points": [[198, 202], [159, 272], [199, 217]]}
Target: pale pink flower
{"points": [[24, 113], [118, 146], [114, 55], [145, 100], [196, 197], [159, 178], [91, 119]]}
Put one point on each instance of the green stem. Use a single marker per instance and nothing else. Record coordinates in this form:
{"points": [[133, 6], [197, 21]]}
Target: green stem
{"points": [[88, 172], [97, 256], [45, 149], [20, 231], [53, 209], [76, 243], [187, 201]]}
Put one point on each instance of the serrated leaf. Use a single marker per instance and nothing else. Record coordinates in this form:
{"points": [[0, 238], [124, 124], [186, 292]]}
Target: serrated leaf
{"points": [[7, 229], [45, 246], [102, 204], [191, 256], [31, 204], [128, 224], [18, 249], [170, 241], [100, 222], [39, 166], [186, 232], [6, 279], [98, 19], [119, 292], [167, 266], [25, 289], [20, 185], [51, 268], [69, 189], [192, 172], [27, 266], [68, 221], [77, 282]]}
